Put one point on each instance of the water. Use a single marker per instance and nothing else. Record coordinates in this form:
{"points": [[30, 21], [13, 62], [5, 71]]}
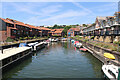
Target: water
{"points": [[59, 60]]}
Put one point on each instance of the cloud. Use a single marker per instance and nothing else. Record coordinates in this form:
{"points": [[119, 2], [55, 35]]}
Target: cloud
{"points": [[106, 7], [67, 16], [59, 0], [56, 13], [82, 7]]}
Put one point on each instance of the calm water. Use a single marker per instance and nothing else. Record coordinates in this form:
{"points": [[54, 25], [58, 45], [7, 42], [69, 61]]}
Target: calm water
{"points": [[59, 60]]}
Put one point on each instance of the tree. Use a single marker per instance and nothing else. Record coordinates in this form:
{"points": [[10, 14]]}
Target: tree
{"points": [[66, 28], [84, 25], [55, 26], [77, 24]]}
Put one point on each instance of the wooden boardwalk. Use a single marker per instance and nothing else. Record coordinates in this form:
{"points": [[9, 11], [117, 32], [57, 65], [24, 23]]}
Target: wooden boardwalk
{"points": [[12, 51]]}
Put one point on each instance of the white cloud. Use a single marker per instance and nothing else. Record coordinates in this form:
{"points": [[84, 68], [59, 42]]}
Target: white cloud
{"points": [[106, 7], [66, 16], [82, 7], [60, 0]]}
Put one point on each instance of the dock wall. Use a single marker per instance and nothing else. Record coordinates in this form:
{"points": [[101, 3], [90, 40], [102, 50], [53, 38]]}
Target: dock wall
{"points": [[98, 52]]}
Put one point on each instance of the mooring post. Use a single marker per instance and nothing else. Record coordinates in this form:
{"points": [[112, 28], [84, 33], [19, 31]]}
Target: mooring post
{"points": [[2, 50]]}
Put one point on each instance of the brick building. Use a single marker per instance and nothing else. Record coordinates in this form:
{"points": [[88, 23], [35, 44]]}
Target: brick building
{"points": [[57, 32], [16, 29], [73, 32]]}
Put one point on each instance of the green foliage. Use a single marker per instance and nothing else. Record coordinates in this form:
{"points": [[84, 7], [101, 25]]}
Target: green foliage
{"points": [[77, 24], [77, 36], [65, 36], [85, 40], [80, 37], [66, 28], [105, 46], [56, 27], [84, 25], [35, 37], [25, 38], [114, 49], [92, 37], [48, 36], [21, 38], [55, 35], [116, 42], [29, 37], [9, 39]]}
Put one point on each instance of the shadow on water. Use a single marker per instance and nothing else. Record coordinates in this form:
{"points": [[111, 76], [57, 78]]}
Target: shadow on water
{"points": [[17, 68]]}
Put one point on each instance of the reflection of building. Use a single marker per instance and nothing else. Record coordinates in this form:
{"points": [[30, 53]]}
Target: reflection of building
{"points": [[106, 29], [73, 32]]}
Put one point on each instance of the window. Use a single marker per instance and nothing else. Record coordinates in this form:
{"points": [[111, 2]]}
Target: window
{"points": [[14, 31], [7, 24], [18, 26], [18, 32]]}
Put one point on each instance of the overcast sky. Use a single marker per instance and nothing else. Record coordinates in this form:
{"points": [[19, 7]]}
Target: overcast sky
{"points": [[50, 13]]}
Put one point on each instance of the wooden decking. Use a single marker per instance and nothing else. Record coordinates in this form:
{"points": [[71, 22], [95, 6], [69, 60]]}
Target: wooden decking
{"points": [[12, 51]]}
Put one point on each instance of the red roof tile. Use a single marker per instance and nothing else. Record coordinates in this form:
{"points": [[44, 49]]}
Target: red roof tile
{"points": [[74, 29], [31, 26], [43, 28], [57, 32], [7, 21], [17, 22]]}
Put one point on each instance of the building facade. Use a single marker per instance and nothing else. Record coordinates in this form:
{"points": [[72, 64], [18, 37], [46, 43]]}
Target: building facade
{"points": [[16, 29], [73, 32], [106, 29]]}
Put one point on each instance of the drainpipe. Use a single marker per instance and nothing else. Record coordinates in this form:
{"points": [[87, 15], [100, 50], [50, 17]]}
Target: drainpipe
{"points": [[2, 50]]}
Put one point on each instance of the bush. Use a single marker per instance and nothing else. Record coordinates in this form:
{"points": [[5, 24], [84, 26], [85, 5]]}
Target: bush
{"points": [[9, 39], [92, 37], [35, 37], [116, 42], [85, 40], [65, 36], [21, 38], [25, 38], [114, 49], [105, 46], [29, 37]]}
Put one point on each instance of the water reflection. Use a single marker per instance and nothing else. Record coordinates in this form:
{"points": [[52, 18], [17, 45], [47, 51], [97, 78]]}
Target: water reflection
{"points": [[59, 60]]}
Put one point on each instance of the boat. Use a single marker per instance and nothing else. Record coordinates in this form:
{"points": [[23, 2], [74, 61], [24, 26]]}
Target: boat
{"points": [[72, 41], [111, 71], [76, 42], [32, 45], [108, 55], [54, 40], [50, 39], [23, 45], [78, 45], [64, 39], [83, 49]]}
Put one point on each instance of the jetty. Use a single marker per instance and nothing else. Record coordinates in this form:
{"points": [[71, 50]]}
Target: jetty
{"points": [[12, 55]]}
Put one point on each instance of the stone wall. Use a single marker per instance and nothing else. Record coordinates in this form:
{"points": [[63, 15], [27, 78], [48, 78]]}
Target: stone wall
{"points": [[98, 52]]}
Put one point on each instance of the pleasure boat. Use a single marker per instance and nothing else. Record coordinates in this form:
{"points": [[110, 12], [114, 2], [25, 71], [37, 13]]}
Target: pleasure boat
{"points": [[111, 71], [78, 45], [72, 41]]}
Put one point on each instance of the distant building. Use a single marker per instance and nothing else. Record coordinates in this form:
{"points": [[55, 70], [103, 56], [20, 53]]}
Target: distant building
{"points": [[73, 32], [57, 32]]}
